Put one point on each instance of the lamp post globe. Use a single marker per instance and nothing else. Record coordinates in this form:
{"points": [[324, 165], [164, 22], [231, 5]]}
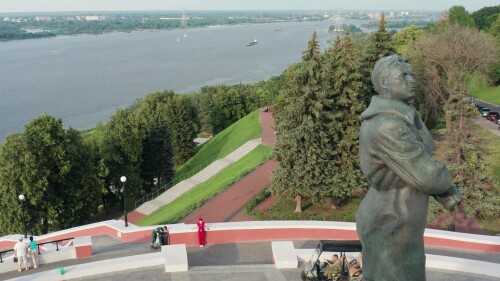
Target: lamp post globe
{"points": [[123, 179], [22, 199]]}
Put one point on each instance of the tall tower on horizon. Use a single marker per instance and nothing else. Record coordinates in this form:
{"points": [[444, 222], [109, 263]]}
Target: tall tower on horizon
{"points": [[184, 19]]}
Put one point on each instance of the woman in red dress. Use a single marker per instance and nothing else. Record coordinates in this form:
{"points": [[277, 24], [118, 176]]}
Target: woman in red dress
{"points": [[201, 232]]}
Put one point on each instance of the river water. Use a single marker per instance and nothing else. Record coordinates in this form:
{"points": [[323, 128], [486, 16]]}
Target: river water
{"points": [[84, 79]]}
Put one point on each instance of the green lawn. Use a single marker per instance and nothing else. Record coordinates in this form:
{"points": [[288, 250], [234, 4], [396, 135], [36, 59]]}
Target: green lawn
{"points": [[492, 155], [284, 208], [190, 201], [245, 129], [489, 94]]}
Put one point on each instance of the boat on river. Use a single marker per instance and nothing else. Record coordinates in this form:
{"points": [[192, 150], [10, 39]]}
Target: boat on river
{"points": [[254, 42]]}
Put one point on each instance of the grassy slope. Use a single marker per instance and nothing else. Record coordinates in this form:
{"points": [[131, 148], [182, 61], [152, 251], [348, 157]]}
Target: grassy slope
{"points": [[245, 129], [489, 94], [492, 157], [184, 205]]}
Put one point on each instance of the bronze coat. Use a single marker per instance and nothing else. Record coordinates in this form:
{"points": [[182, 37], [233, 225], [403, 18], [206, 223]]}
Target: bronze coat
{"points": [[396, 158]]}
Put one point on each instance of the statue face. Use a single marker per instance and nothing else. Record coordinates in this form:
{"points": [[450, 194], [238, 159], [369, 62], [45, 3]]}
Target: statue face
{"points": [[401, 84]]}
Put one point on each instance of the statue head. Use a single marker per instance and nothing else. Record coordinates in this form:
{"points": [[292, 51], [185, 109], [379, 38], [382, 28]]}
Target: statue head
{"points": [[392, 77]]}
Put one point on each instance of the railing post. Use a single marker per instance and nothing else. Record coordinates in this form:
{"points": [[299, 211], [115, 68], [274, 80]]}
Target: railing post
{"points": [[57, 246]]}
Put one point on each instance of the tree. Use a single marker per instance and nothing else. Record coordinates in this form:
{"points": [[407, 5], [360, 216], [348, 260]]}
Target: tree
{"points": [[14, 159], [458, 15], [407, 35], [157, 151], [52, 168], [495, 71], [443, 63], [379, 45], [122, 152], [343, 84], [486, 16], [229, 106], [301, 140], [182, 119]]}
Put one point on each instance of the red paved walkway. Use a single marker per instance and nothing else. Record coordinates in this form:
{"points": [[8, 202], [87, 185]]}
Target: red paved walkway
{"points": [[229, 203], [268, 123], [134, 216]]}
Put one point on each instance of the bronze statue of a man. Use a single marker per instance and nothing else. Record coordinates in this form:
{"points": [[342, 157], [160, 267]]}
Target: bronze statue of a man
{"points": [[396, 158]]}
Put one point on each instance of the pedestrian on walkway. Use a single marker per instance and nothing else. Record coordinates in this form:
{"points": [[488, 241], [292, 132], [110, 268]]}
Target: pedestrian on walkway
{"points": [[201, 232], [34, 251], [21, 252]]}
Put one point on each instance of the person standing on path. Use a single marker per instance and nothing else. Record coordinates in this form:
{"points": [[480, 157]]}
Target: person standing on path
{"points": [[34, 251], [21, 252], [201, 232]]}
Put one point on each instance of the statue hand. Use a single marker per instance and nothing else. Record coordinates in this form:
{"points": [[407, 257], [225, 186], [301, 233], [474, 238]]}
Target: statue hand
{"points": [[450, 198]]}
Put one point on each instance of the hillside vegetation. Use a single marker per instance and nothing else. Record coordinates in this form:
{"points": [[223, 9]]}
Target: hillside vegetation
{"points": [[196, 197], [247, 128]]}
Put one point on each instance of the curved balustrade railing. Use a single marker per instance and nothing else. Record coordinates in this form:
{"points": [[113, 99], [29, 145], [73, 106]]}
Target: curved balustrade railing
{"points": [[56, 242], [176, 180]]}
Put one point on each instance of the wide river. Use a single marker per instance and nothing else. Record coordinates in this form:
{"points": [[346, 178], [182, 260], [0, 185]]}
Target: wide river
{"points": [[84, 79]]}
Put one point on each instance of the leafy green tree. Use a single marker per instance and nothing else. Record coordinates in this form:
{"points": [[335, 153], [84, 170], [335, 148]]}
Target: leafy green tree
{"points": [[157, 155], [203, 101], [495, 70], [157, 151], [342, 84], [301, 131], [486, 16], [407, 35], [495, 29], [229, 107], [379, 45], [54, 172], [182, 117], [458, 15], [15, 159], [122, 153], [83, 183]]}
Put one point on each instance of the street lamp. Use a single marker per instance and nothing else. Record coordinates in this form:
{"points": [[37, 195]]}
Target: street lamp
{"points": [[22, 199], [123, 179]]}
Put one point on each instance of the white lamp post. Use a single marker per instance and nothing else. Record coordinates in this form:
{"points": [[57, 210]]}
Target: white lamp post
{"points": [[123, 179], [22, 199]]}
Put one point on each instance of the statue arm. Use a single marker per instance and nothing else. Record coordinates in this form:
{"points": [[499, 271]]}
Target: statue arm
{"points": [[400, 150]]}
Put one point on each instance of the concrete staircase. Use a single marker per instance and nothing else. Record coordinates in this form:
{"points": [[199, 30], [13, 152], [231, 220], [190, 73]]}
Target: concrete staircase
{"points": [[186, 185]]}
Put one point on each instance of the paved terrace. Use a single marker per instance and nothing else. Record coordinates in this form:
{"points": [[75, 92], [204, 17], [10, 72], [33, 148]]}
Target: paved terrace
{"points": [[230, 261], [243, 248]]}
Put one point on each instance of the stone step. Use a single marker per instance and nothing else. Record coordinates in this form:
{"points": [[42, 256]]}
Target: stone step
{"points": [[243, 150], [147, 208]]}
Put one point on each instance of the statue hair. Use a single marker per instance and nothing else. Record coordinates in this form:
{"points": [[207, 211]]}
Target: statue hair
{"points": [[382, 70]]}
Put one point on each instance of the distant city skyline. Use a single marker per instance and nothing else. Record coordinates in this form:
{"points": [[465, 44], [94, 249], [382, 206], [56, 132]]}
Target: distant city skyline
{"points": [[10, 6]]}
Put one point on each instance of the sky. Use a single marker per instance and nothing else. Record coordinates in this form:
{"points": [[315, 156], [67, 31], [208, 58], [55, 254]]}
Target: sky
{"points": [[149, 5]]}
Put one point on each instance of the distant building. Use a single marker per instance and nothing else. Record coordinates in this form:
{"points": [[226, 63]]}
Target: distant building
{"points": [[95, 18], [91, 18], [43, 18]]}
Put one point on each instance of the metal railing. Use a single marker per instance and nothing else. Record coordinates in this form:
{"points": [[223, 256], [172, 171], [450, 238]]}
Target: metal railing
{"points": [[3, 252], [38, 247], [53, 242], [176, 180]]}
